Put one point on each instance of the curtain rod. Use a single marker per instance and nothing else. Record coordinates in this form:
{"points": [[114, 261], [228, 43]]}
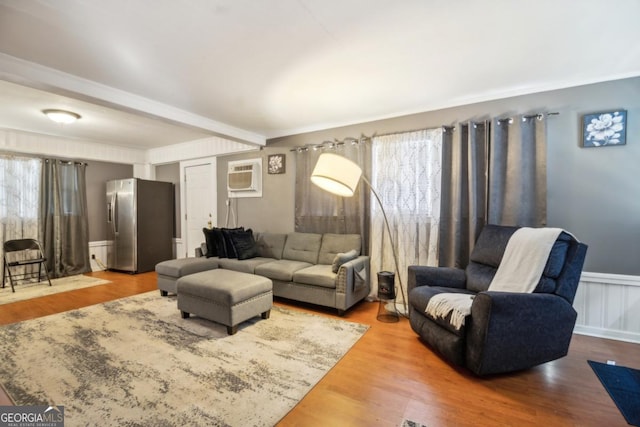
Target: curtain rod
{"points": [[13, 155], [538, 116], [68, 162], [335, 143], [363, 138]]}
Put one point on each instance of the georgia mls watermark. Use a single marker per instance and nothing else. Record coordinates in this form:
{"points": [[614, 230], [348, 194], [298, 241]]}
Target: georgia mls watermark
{"points": [[31, 416]]}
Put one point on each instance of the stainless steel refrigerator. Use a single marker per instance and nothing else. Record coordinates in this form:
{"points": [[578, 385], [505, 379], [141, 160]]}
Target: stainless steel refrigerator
{"points": [[140, 223]]}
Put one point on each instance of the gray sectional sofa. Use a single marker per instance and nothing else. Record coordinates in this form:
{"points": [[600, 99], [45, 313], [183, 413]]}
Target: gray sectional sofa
{"points": [[323, 269]]}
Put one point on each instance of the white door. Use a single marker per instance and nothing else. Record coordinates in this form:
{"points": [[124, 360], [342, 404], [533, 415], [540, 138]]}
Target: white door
{"points": [[200, 202]]}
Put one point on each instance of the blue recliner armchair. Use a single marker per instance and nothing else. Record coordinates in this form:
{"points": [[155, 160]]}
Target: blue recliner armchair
{"points": [[505, 331]]}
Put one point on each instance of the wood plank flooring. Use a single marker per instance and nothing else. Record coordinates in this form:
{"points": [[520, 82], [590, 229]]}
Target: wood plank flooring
{"points": [[390, 375]]}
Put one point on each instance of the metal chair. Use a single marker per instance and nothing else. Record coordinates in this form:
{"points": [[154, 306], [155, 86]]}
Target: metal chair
{"points": [[31, 253]]}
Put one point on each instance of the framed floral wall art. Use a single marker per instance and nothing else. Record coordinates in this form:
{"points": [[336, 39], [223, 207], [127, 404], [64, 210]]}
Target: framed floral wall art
{"points": [[604, 129], [276, 164]]}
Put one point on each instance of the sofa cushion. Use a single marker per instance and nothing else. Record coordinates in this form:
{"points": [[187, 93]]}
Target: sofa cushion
{"points": [[419, 299], [185, 266], [333, 244], [270, 245], [341, 258], [317, 275], [491, 244], [546, 285], [479, 276], [227, 288], [282, 269], [557, 257], [488, 252], [303, 247], [243, 266]]}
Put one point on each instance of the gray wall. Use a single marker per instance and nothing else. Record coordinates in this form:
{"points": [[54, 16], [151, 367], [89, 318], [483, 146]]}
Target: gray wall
{"points": [[171, 173], [274, 211], [97, 175], [592, 192]]}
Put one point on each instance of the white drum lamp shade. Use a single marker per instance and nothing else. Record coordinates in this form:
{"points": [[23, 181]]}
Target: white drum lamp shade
{"points": [[336, 174]]}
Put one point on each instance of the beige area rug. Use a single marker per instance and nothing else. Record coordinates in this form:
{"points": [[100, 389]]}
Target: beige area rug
{"points": [[26, 291], [135, 361]]}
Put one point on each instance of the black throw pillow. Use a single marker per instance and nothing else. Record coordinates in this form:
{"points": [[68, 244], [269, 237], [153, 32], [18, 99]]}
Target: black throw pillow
{"points": [[210, 239], [244, 244], [230, 251], [218, 239]]}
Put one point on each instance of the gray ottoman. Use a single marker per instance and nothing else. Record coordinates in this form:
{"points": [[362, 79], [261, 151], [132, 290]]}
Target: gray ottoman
{"points": [[170, 271], [225, 296]]}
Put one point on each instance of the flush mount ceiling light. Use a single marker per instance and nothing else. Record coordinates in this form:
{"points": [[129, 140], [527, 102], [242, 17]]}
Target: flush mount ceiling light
{"points": [[61, 116]]}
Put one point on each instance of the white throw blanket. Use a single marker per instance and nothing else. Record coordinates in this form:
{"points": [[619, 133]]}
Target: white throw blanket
{"points": [[524, 259], [520, 270], [459, 305]]}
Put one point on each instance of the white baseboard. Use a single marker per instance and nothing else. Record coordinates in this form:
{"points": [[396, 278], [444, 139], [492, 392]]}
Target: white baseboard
{"points": [[607, 306], [611, 334]]}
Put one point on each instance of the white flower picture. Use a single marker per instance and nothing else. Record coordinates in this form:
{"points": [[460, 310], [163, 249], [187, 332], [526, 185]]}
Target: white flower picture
{"points": [[276, 164], [604, 129]]}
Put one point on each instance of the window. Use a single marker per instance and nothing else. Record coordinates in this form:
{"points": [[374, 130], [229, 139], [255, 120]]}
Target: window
{"points": [[19, 188], [405, 173]]}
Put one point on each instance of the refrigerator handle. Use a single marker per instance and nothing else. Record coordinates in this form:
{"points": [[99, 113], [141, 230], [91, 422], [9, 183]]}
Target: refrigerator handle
{"points": [[115, 213]]}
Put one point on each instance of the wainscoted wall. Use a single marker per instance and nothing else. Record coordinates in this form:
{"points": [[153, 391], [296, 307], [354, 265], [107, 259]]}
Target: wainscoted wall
{"points": [[98, 253], [197, 149], [608, 306], [178, 248], [45, 145]]}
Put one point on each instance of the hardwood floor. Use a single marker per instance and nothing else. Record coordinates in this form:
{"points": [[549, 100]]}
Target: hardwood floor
{"points": [[390, 375]]}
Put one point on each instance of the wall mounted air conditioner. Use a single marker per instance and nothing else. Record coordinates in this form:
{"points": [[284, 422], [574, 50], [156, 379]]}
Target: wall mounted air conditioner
{"points": [[244, 178]]}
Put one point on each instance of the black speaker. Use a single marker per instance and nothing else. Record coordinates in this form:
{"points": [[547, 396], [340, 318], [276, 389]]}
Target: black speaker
{"points": [[386, 285]]}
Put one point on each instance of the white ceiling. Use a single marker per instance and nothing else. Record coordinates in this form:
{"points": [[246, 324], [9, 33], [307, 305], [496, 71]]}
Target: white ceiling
{"points": [[148, 73]]}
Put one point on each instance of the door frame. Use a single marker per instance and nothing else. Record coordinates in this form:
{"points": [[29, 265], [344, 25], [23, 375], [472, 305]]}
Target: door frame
{"points": [[211, 161]]}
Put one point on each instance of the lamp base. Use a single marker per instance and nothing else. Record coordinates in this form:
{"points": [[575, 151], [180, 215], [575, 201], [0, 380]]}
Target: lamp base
{"points": [[387, 312]]}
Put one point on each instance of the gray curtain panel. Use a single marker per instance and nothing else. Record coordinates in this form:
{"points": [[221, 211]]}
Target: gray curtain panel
{"points": [[518, 172], [463, 210], [492, 173], [19, 183], [317, 211], [64, 228]]}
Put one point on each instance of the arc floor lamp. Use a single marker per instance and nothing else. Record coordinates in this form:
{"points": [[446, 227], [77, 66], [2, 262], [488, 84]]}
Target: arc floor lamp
{"points": [[339, 175]]}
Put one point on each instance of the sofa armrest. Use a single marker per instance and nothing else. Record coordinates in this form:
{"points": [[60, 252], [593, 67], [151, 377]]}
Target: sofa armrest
{"points": [[503, 326], [447, 277], [200, 251], [353, 276]]}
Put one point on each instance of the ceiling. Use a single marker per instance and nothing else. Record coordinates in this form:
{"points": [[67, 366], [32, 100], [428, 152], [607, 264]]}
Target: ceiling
{"points": [[150, 73]]}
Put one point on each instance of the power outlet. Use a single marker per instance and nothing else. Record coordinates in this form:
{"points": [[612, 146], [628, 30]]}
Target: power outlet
{"points": [[93, 256]]}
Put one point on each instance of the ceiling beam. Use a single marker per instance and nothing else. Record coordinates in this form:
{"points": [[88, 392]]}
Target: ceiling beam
{"points": [[37, 76]]}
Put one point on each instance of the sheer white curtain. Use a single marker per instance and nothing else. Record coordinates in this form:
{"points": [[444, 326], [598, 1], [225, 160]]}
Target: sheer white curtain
{"points": [[19, 195], [405, 172]]}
